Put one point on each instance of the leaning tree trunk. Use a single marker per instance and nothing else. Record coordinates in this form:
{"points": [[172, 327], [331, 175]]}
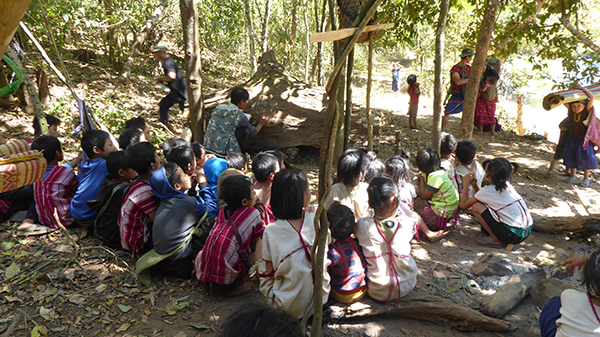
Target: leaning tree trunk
{"points": [[307, 35], [265, 28], [483, 44], [11, 12], [142, 37], [189, 23], [438, 86], [250, 35]]}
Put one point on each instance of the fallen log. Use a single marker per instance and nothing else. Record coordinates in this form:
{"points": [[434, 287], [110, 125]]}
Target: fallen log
{"points": [[565, 224], [507, 297], [423, 307]]}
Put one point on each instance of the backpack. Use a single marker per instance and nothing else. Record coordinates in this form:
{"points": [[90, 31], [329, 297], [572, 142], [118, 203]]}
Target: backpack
{"points": [[108, 205]]}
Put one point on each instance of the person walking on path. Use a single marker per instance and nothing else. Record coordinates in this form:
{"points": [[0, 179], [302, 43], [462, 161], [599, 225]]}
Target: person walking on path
{"points": [[396, 78], [175, 81], [459, 75]]}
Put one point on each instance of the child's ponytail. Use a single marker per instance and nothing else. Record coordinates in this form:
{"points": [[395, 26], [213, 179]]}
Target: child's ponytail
{"points": [[500, 171]]}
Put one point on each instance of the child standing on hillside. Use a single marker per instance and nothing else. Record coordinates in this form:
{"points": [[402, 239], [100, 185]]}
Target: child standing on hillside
{"points": [[500, 210], [385, 240], [395, 78], [414, 92], [576, 158]]}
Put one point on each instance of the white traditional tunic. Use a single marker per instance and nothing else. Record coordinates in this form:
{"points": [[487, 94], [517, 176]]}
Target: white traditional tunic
{"points": [[356, 198], [578, 316], [462, 171], [290, 287], [391, 271]]}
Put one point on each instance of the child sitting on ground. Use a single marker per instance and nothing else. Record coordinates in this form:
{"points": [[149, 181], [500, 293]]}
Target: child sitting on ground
{"points": [[350, 191], [176, 218], [500, 210], [108, 201], [447, 158], [140, 123], [212, 169], [465, 153], [237, 161], [139, 204], [53, 124], [238, 229], [348, 264], [54, 192], [385, 240], [376, 168], [172, 143], [184, 157], [437, 200], [287, 276], [264, 167], [97, 145], [129, 137]]}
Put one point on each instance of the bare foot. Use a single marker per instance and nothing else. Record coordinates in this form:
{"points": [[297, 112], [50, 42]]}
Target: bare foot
{"points": [[489, 241], [25, 224], [436, 236], [246, 287]]}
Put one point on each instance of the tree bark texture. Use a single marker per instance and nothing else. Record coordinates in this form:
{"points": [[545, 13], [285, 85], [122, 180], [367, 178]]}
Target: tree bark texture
{"points": [[307, 36], [42, 83], [511, 293], [368, 98], [265, 28], [438, 86], [348, 110], [142, 37], [250, 29], [483, 45], [11, 12], [189, 23]]}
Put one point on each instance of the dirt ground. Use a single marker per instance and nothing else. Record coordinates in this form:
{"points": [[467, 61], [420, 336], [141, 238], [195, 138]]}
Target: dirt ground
{"points": [[52, 287]]}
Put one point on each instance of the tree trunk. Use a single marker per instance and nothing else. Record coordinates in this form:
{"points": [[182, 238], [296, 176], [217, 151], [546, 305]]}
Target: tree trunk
{"points": [[307, 28], [320, 45], [265, 28], [42, 83], [251, 45], [293, 35], [189, 23], [348, 112], [369, 84], [11, 12], [142, 37], [438, 85], [483, 44]]}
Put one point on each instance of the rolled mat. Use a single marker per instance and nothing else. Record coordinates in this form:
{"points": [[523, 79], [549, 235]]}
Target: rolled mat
{"points": [[20, 166], [557, 98]]}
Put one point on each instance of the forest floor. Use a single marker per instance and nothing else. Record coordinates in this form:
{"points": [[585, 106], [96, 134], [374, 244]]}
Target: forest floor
{"points": [[51, 286]]}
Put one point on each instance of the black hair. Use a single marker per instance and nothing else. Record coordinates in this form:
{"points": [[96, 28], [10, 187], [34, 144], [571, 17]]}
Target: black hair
{"points": [[351, 166], [48, 145], [381, 190], [283, 163], [490, 73], [239, 94], [182, 156], [236, 160], [199, 149], [448, 144], [428, 160], [287, 194], [591, 273], [141, 156], [50, 120], [371, 155], [259, 321], [115, 161], [234, 189], [341, 221], [129, 137], [91, 139], [465, 151], [172, 143], [411, 80], [500, 171], [375, 169], [138, 122], [171, 174], [264, 164], [396, 168]]}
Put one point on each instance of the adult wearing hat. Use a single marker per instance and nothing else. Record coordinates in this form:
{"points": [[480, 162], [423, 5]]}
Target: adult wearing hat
{"points": [[459, 75], [175, 81]]}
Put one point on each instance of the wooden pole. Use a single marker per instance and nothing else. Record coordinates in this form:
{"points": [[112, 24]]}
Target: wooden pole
{"points": [[44, 54], [348, 113], [438, 90], [369, 83]]}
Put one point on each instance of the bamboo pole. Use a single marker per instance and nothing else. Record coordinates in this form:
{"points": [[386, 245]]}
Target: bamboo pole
{"points": [[369, 83], [348, 112]]}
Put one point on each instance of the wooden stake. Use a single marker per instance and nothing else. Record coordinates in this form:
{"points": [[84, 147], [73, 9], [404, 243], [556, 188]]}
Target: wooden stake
{"points": [[369, 83], [348, 112]]}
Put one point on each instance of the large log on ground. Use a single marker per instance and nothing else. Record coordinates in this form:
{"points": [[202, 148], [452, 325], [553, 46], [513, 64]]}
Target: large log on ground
{"points": [[296, 109], [423, 307], [507, 297], [575, 224]]}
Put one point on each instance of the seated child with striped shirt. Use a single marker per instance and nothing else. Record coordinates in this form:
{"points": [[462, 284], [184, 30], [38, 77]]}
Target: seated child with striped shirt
{"points": [[234, 242], [54, 191], [348, 265], [140, 204]]}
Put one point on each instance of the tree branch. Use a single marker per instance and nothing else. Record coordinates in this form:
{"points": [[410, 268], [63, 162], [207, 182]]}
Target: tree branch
{"points": [[579, 35]]}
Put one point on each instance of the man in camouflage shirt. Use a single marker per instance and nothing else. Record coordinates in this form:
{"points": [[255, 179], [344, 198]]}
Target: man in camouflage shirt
{"points": [[228, 128]]}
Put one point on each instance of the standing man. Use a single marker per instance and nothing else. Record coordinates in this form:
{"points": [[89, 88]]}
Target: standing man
{"points": [[459, 75], [175, 81]]}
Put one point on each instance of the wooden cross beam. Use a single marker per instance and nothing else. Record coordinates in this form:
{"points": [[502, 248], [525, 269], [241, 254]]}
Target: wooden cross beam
{"points": [[346, 32]]}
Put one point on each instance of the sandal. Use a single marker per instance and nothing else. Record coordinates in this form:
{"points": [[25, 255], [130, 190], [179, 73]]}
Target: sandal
{"points": [[585, 183], [570, 180], [35, 230]]}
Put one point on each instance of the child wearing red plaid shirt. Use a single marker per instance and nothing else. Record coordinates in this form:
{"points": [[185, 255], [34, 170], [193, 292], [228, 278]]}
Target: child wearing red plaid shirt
{"points": [[140, 204], [348, 265]]}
